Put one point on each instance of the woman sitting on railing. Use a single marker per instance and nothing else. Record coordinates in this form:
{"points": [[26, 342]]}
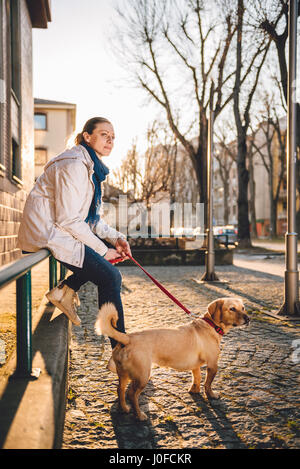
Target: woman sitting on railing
{"points": [[62, 214]]}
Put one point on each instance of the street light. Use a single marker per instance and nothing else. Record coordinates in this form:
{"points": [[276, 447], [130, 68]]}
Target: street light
{"points": [[210, 274], [291, 304]]}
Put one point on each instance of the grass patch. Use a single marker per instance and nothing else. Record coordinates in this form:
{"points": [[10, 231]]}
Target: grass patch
{"points": [[294, 425], [72, 395]]}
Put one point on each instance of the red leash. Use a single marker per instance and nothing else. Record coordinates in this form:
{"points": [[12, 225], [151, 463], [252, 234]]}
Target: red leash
{"points": [[119, 259], [218, 329]]}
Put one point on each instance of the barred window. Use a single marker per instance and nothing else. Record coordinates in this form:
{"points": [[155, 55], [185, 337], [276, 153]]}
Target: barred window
{"points": [[2, 93], [40, 156], [15, 84]]}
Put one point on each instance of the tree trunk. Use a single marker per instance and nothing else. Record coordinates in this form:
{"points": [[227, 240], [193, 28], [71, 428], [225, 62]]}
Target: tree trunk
{"points": [[272, 216], [243, 180], [252, 196], [226, 199], [273, 206], [273, 223], [200, 167]]}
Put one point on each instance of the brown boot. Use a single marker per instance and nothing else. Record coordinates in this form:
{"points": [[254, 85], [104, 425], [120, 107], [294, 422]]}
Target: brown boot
{"points": [[67, 300]]}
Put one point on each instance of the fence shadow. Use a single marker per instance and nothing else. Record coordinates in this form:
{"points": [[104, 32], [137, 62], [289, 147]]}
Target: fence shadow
{"points": [[49, 339]]}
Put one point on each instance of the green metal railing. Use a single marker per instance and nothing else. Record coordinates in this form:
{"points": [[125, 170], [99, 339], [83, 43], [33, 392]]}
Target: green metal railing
{"points": [[20, 272]]}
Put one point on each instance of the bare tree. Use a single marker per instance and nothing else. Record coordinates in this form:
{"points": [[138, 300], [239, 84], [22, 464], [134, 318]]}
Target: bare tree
{"points": [[272, 17], [176, 49], [156, 174], [270, 147], [144, 176], [253, 60], [225, 154], [127, 177]]}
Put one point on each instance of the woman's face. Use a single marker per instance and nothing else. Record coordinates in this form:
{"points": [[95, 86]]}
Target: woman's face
{"points": [[101, 139]]}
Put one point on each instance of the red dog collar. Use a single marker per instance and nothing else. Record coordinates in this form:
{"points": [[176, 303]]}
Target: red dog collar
{"points": [[218, 329]]}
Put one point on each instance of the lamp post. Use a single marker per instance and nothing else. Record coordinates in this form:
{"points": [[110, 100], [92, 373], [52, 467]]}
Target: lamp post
{"points": [[210, 274], [291, 276]]}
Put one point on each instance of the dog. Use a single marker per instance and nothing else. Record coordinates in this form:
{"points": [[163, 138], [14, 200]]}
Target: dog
{"points": [[187, 347]]}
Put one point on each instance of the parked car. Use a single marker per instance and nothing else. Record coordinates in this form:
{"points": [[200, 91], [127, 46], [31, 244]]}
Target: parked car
{"points": [[226, 234], [182, 231], [199, 231]]}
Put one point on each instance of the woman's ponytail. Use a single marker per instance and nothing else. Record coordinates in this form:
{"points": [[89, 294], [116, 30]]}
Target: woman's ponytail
{"points": [[88, 127], [79, 138]]}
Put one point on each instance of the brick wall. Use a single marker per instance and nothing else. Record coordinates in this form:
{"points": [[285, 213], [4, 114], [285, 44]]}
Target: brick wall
{"points": [[13, 195]]}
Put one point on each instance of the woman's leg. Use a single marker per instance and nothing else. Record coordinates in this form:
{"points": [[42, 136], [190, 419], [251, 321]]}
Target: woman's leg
{"points": [[103, 274]]}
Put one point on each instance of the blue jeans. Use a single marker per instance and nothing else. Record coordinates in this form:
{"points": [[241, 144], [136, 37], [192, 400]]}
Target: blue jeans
{"points": [[106, 276]]}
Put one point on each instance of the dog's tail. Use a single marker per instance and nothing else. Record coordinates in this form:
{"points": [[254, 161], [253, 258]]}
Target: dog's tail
{"points": [[106, 324]]}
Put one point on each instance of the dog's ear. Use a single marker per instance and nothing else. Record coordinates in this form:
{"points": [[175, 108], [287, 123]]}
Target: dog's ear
{"points": [[215, 310]]}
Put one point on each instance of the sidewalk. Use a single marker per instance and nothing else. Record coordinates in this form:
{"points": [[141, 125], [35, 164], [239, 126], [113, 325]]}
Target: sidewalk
{"points": [[258, 377], [273, 245]]}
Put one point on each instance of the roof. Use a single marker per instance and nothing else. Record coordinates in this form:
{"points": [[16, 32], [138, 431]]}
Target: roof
{"points": [[39, 12], [38, 102]]}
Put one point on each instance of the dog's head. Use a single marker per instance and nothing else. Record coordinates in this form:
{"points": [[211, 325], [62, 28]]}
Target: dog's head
{"points": [[227, 313]]}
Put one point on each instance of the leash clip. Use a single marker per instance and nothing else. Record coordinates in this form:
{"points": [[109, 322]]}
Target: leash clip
{"points": [[194, 315]]}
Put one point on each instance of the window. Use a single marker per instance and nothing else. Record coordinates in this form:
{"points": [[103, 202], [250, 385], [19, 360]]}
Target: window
{"points": [[2, 103], [15, 47], [40, 121], [40, 159], [15, 85], [40, 156], [2, 92], [15, 152]]}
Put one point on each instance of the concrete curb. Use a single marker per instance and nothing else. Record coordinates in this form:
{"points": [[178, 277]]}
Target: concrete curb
{"points": [[32, 411]]}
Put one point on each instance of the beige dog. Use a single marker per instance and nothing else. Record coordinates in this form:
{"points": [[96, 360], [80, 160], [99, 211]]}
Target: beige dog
{"points": [[187, 347]]}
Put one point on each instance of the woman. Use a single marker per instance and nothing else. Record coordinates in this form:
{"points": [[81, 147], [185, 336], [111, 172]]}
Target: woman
{"points": [[62, 214]]}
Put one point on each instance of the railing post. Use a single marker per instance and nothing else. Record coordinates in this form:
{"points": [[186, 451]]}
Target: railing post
{"points": [[24, 329], [63, 271], [52, 272], [24, 345], [20, 271]]}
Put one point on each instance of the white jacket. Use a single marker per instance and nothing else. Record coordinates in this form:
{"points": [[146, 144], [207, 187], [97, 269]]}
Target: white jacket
{"points": [[57, 206]]}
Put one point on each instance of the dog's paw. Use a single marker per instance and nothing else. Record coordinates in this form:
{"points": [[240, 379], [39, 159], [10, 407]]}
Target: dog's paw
{"points": [[142, 417], [212, 395], [194, 389], [125, 408]]}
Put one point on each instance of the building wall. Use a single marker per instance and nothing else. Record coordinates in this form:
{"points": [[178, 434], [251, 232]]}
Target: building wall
{"points": [[13, 194], [218, 195], [262, 197], [57, 133], [55, 138]]}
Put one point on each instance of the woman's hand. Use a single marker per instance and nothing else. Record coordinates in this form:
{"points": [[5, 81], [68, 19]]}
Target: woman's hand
{"points": [[111, 254], [123, 248]]}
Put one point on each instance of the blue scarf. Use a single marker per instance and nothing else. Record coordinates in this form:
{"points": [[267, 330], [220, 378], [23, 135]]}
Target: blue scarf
{"points": [[99, 175]]}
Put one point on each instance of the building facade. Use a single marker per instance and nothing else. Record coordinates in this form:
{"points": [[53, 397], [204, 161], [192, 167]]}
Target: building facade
{"points": [[266, 164], [224, 198], [17, 18], [54, 124]]}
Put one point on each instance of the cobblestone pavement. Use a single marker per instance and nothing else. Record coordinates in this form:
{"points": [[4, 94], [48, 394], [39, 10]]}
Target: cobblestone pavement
{"points": [[258, 377]]}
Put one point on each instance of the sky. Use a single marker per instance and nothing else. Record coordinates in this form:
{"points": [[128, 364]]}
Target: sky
{"points": [[72, 62]]}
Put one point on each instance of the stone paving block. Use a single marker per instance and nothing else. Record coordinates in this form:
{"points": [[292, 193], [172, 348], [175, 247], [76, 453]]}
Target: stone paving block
{"points": [[257, 379]]}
